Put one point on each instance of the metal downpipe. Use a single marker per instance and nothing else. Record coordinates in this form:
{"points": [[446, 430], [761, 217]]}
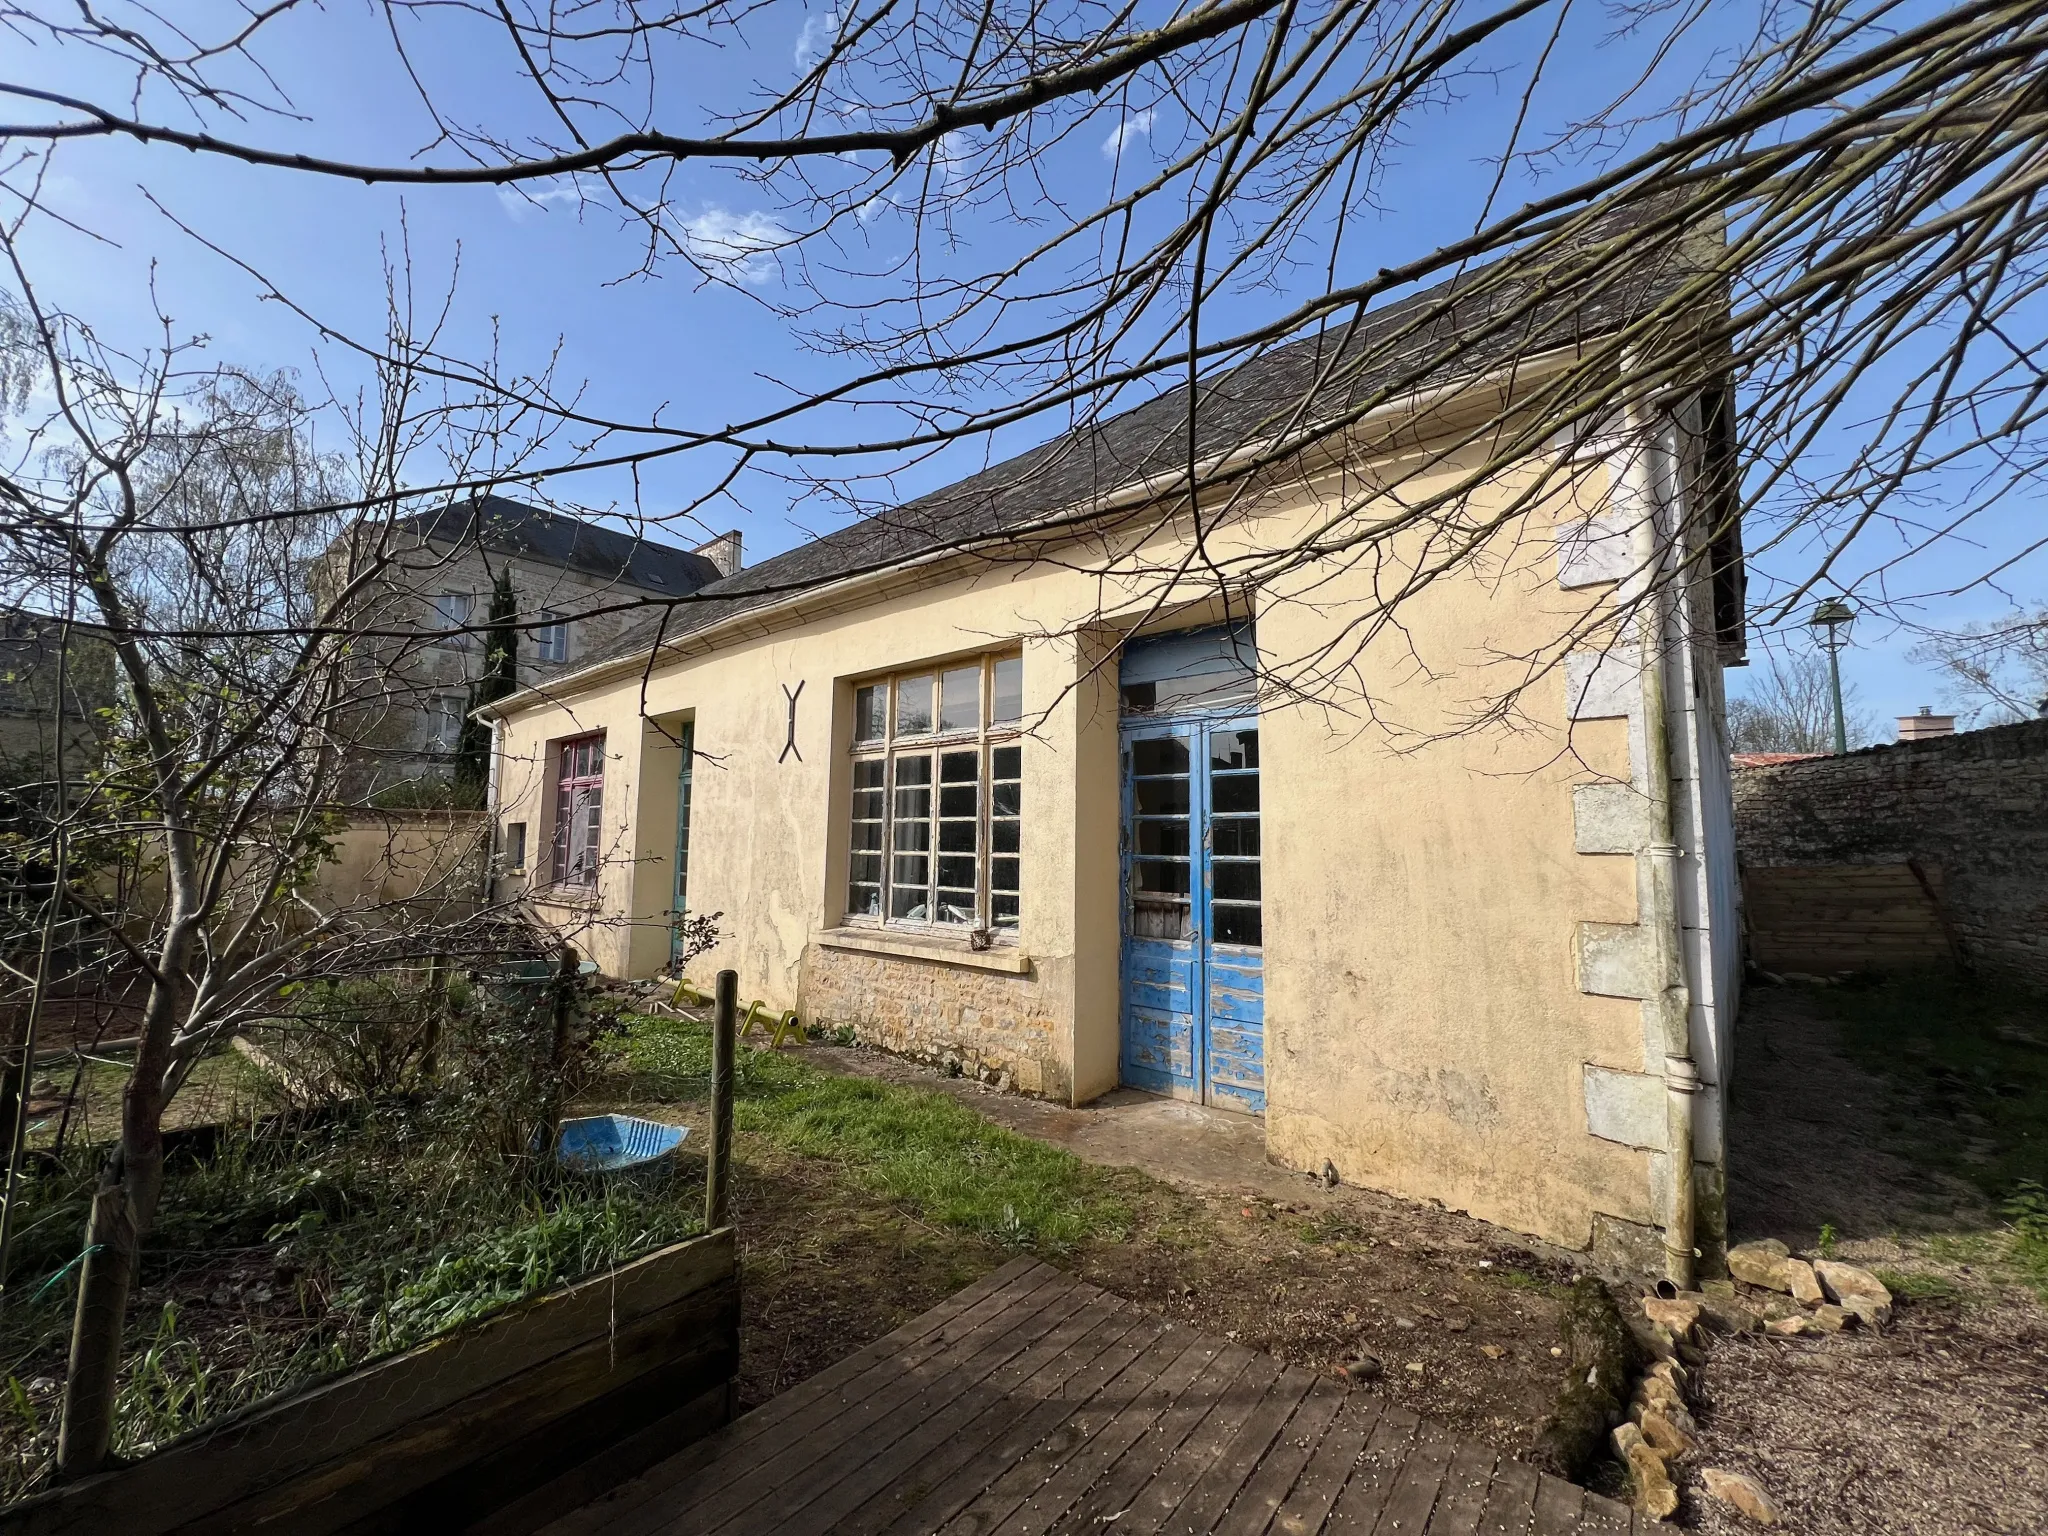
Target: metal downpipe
{"points": [[1673, 998]]}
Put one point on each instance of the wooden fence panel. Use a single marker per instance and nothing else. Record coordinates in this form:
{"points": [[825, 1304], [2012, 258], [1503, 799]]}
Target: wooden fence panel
{"points": [[436, 1436], [1844, 917]]}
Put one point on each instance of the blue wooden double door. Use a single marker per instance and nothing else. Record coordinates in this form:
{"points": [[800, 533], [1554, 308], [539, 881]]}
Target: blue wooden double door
{"points": [[1193, 1012]]}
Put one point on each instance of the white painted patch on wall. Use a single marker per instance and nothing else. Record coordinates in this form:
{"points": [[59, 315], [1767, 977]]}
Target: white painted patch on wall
{"points": [[1593, 552], [1616, 960], [1610, 818], [1628, 1107]]}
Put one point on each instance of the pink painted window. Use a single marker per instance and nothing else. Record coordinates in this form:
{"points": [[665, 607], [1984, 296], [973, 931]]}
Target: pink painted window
{"points": [[579, 809]]}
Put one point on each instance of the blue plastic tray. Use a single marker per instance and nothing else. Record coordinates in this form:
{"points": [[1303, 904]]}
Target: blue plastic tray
{"points": [[598, 1142]]}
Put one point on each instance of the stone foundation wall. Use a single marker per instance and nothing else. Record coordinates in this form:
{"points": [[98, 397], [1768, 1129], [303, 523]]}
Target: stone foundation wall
{"points": [[1002, 1028], [1973, 806]]}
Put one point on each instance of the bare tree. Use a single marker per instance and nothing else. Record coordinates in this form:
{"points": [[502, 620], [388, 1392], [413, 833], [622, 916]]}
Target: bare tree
{"points": [[1999, 667], [1790, 707], [1802, 271], [162, 498], [1835, 208]]}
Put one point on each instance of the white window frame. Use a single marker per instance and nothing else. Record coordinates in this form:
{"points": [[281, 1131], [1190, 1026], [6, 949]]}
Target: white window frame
{"points": [[452, 614], [998, 851], [551, 638], [449, 710]]}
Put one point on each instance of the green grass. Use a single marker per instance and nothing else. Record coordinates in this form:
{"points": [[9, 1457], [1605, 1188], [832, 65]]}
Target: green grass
{"points": [[1974, 1054], [1969, 1058], [934, 1157]]}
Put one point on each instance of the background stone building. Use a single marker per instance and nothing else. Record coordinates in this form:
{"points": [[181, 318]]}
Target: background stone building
{"points": [[576, 587]]}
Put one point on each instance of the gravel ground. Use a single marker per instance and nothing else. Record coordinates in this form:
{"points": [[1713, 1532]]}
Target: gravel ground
{"points": [[1939, 1425]]}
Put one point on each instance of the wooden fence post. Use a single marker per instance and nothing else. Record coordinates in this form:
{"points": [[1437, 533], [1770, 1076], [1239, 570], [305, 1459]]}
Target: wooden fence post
{"points": [[718, 1156]]}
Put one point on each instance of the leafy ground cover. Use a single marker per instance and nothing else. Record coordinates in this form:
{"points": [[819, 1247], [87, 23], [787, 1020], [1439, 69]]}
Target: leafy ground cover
{"points": [[292, 1248], [934, 1157]]}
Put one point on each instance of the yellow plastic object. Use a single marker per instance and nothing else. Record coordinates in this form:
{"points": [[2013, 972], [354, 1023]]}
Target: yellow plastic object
{"points": [[787, 1025], [687, 995]]}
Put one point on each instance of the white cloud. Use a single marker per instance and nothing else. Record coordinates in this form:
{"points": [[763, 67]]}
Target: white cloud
{"points": [[871, 208], [950, 155], [738, 246], [521, 204], [815, 40], [1136, 126]]}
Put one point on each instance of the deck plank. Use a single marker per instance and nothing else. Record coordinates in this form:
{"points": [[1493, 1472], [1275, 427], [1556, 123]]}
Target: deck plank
{"points": [[728, 1486], [863, 1371], [941, 1442], [1558, 1507], [1040, 1420], [1127, 1408], [1113, 1493], [1422, 1477], [1146, 1350], [1463, 1499], [948, 1470], [1273, 1478], [1372, 1482], [836, 1484], [1216, 1488], [1032, 1404], [1510, 1502], [1315, 1492], [1154, 1504]]}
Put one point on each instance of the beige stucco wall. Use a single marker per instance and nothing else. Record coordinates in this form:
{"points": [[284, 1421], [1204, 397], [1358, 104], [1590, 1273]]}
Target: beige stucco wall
{"points": [[1426, 1027]]}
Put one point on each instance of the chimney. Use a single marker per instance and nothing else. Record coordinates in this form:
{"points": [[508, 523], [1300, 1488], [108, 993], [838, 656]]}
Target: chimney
{"points": [[1926, 725], [723, 552]]}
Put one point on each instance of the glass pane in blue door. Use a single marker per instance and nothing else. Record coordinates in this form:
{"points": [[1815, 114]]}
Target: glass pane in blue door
{"points": [[1234, 1022], [1160, 1047]]}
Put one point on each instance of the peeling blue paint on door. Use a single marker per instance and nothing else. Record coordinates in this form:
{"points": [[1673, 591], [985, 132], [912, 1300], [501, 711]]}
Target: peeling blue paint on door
{"points": [[1193, 1013]]}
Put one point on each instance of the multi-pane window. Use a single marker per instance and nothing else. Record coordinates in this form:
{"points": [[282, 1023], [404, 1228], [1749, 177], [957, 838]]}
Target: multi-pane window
{"points": [[444, 721], [451, 617], [551, 637], [937, 776], [579, 809]]}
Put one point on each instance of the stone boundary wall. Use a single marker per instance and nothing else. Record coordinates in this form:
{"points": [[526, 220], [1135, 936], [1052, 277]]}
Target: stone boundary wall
{"points": [[1973, 806]]}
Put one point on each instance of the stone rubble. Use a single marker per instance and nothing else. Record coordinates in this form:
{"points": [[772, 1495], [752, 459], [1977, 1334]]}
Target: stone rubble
{"points": [[1741, 1492], [1820, 1297]]}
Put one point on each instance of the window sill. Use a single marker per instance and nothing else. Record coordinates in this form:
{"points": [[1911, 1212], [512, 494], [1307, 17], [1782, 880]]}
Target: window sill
{"points": [[577, 897], [1005, 958]]}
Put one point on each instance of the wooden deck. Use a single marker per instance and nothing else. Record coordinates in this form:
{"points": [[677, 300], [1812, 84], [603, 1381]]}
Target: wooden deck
{"points": [[1031, 1403]]}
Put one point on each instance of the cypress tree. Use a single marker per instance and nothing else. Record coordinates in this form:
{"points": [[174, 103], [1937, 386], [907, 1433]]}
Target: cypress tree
{"points": [[500, 676]]}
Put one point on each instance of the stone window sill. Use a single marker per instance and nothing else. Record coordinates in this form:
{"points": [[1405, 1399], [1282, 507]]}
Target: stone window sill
{"points": [[1005, 958], [572, 898]]}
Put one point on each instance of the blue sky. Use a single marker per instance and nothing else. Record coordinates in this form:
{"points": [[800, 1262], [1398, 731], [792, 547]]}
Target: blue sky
{"points": [[548, 275]]}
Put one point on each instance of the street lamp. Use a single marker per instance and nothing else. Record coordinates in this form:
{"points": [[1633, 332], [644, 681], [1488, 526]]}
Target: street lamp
{"points": [[1832, 620]]}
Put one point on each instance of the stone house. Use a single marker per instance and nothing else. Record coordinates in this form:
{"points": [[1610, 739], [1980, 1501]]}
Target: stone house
{"points": [[956, 778], [39, 719], [578, 587]]}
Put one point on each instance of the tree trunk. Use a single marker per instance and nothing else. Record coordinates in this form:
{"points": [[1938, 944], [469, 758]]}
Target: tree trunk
{"points": [[113, 1237], [123, 1207]]}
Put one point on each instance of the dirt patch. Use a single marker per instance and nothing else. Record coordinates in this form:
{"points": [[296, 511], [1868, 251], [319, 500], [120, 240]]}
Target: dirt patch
{"points": [[1938, 1425], [1460, 1317]]}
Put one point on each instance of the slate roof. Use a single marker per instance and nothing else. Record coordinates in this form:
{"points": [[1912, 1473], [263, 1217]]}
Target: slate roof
{"points": [[1475, 333], [508, 527]]}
